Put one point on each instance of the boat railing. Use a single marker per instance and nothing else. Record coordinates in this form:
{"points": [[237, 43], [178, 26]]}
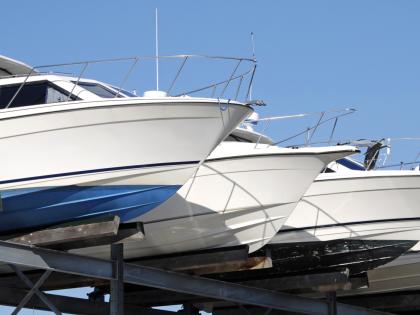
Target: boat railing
{"points": [[372, 151], [402, 165], [242, 76], [323, 118], [376, 155], [380, 153]]}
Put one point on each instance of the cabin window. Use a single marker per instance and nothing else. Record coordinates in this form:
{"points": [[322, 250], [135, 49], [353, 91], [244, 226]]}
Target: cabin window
{"points": [[98, 89], [351, 164], [234, 138], [34, 93], [124, 92]]}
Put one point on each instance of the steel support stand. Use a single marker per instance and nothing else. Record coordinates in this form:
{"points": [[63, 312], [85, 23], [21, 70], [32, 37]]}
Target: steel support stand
{"points": [[117, 285], [332, 303], [56, 261], [34, 289], [268, 311], [189, 309], [244, 309]]}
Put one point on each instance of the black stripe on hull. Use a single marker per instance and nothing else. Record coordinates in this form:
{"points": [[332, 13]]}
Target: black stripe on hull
{"points": [[358, 256]]}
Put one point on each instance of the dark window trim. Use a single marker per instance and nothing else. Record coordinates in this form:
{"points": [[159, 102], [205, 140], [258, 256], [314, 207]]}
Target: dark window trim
{"points": [[106, 88], [48, 83]]}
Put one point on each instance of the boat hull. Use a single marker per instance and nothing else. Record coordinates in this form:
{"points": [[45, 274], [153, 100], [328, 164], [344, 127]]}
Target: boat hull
{"points": [[241, 199], [354, 256], [376, 206], [117, 157]]}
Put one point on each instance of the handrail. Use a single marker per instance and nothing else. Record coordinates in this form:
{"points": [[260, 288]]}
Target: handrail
{"points": [[20, 88], [323, 119], [130, 70], [401, 164], [386, 144], [215, 84], [320, 122], [136, 59], [177, 74], [77, 81]]}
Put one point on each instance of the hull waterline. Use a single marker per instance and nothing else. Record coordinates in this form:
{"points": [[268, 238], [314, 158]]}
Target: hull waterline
{"points": [[352, 256]]}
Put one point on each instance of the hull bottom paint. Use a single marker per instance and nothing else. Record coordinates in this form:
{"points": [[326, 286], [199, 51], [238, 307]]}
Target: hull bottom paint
{"points": [[357, 256], [31, 208]]}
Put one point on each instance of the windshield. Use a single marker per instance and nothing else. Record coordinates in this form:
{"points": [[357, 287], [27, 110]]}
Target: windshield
{"points": [[351, 164]]}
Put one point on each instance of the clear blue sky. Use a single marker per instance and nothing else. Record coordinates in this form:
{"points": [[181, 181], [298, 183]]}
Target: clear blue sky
{"points": [[312, 55]]}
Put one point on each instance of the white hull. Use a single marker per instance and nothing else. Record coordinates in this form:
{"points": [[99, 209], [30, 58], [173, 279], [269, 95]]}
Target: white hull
{"points": [[399, 275], [241, 195], [375, 205], [135, 142], [47, 139]]}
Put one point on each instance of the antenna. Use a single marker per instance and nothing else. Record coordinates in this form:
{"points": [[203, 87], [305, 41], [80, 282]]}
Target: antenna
{"points": [[157, 49], [253, 57], [253, 45]]}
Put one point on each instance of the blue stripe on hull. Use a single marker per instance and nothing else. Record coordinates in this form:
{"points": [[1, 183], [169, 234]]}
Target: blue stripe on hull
{"points": [[36, 207], [108, 169]]}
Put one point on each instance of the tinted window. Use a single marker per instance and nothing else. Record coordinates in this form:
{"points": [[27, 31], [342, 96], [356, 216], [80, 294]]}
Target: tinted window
{"points": [[128, 94], [98, 89], [350, 164], [235, 138], [327, 170], [32, 94], [124, 92]]}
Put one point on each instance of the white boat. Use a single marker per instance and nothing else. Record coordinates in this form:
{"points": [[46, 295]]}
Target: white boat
{"points": [[401, 274], [360, 218], [241, 195], [356, 204], [75, 149]]}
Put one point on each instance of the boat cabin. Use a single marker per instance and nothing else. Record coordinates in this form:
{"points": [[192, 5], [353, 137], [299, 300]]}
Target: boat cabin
{"points": [[246, 135], [21, 86]]}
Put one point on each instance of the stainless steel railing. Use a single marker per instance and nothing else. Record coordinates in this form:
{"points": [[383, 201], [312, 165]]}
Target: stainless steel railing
{"points": [[323, 118], [234, 76]]}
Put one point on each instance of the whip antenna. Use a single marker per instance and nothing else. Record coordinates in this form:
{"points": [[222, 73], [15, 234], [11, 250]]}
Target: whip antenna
{"points": [[157, 49], [253, 45], [253, 57]]}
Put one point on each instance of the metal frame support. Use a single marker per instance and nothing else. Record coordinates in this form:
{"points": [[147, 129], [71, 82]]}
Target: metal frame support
{"points": [[189, 309], [117, 284], [34, 289], [332, 303], [52, 260], [70, 305]]}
